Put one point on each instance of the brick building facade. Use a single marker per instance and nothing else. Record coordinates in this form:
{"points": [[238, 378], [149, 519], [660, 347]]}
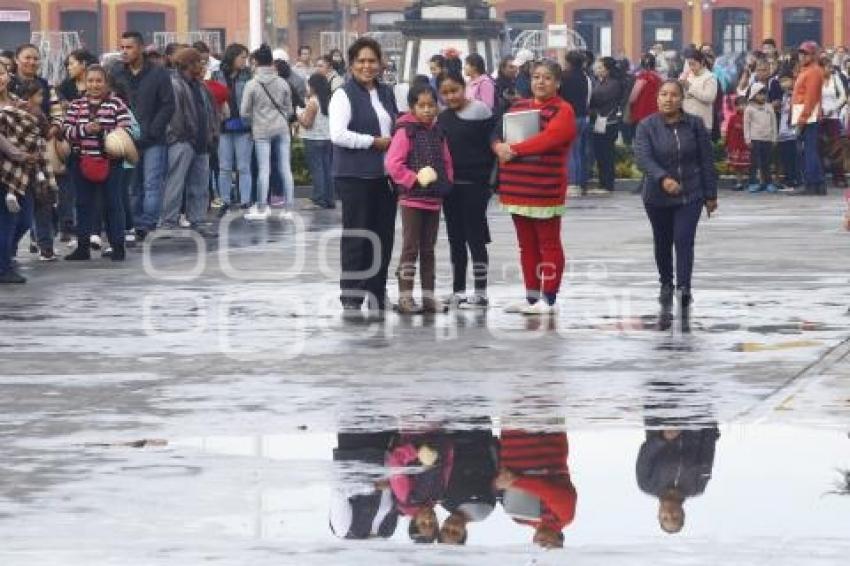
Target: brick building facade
{"points": [[610, 26]]}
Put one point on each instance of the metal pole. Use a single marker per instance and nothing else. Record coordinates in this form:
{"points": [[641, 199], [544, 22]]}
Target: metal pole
{"points": [[256, 23]]}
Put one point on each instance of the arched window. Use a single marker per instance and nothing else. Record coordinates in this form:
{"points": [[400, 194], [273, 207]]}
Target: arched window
{"points": [[801, 24], [595, 27], [662, 26], [732, 30]]}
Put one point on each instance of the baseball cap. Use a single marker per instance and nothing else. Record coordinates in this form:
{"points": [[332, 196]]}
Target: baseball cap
{"points": [[809, 47]]}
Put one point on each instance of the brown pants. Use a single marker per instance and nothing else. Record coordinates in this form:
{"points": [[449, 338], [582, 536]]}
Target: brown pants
{"points": [[419, 230]]}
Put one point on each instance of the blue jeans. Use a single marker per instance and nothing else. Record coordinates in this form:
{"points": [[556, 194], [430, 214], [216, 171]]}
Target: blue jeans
{"points": [[66, 203], [812, 166], [675, 226], [234, 155], [318, 155], [789, 157], [12, 229], [264, 156], [113, 204], [43, 222], [579, 154], [148, 187]]}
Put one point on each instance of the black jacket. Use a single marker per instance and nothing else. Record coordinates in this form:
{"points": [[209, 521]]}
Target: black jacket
{"points": [[574, 85], [151, 100], [683, 151], [684, 464]]}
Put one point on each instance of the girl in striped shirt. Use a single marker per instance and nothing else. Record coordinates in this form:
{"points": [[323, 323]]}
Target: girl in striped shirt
{"points": [[87, 122]]}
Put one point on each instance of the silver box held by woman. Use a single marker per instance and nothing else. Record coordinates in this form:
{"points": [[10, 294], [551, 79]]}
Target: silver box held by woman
{"points": [[519, 126]]}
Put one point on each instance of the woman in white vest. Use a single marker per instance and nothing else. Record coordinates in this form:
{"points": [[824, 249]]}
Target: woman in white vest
{"points": [[700, 86]]}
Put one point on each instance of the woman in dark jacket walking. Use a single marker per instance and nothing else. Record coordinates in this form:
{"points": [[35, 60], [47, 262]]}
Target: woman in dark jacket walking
{"points": [[604, 107], [673, 150], [362, 114]]}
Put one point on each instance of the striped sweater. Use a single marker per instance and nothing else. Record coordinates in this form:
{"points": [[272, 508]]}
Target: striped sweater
{"points": [[110, 113], [540, 460], [538, 175]]}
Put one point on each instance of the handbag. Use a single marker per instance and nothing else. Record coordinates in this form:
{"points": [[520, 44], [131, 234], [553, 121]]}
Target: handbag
{"points": [[95, 168], [234, 126]]}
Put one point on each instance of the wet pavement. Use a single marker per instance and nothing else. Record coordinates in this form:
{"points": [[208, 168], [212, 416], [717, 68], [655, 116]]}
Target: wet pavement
{"points": [[185, 408]]}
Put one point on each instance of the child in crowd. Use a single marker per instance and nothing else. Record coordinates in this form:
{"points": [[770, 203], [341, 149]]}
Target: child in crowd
{"points": [[419, 163], [788, 145], [760, 135], [737, 150]]}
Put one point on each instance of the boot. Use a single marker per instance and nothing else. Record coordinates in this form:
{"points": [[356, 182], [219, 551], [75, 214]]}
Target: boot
{"points": [[685, 301], [83, 251], [665, 314], [432, 305], [119, 253]]}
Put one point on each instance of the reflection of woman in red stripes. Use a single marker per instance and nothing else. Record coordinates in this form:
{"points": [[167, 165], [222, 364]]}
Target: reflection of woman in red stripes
{"points": [[533, 188], [534, 474]]}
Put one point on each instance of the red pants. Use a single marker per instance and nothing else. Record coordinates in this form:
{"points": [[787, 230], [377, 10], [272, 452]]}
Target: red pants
{"points": [[541, 253]]}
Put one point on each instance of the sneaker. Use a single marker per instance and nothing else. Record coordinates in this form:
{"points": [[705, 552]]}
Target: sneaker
{"points": [[287, 215], [183, 222], [738, 188], [455, 300], [277, 202], [216, 203], [129, 237], [475, 302], [47, 255], [788, 188], [540, 308], [599, 192], [12, 278], [755, 188], [254, 213], [95, 242], [573, 191], [107, 252], [771, 188], [517, 307]]}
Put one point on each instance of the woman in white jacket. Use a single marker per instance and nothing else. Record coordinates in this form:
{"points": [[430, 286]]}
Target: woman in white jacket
{"points": [[700, 89], [833, 104]]}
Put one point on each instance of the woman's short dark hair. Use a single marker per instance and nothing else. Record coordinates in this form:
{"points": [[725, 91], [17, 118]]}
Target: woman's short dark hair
{"points": [[364, 43], [416, 536], [551, 66], [84, 56], [263, 56], [648, 61], [453, 76], [476, 61], [676, 83], [321, 89], [417, 89], [696, 55]]}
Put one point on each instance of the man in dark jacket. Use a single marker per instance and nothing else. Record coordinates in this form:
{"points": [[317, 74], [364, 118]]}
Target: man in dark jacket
{"points": [[152, 101], [190, 138], [575, 89]]}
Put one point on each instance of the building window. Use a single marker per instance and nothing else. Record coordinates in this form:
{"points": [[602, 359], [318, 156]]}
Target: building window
{"points": [[384, 21], [662, 26], [594, 26], [84, 23], [732, 30], [310, 28], [15, 27], [146, 23], [519, 21], [801, 24]]}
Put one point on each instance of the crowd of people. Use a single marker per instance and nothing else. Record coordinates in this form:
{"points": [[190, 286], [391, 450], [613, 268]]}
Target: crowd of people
{"points": [[160, 141]]}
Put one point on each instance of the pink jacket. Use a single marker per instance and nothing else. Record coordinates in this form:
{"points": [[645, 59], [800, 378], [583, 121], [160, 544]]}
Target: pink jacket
{"points": [[484, 89], [396, 164], [404, 484]]}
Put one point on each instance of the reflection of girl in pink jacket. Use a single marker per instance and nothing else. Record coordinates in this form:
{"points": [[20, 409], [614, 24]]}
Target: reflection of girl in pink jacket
{"points": [[420, 468]]}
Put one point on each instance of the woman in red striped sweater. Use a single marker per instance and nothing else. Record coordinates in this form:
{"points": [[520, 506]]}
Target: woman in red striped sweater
{"points": [[534, 470], [533, 189], [87, 122]]}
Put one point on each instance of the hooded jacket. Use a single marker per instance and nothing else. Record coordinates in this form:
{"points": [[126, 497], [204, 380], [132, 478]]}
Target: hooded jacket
{"points": [[267, 104]]}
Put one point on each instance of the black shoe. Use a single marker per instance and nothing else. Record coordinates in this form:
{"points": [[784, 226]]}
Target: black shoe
{"points": [[738, 188], [12, 277], [80, 254], [33, 248], [118, 253], [685, 301], [820, 190], [141, 235], [665, 314]]}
